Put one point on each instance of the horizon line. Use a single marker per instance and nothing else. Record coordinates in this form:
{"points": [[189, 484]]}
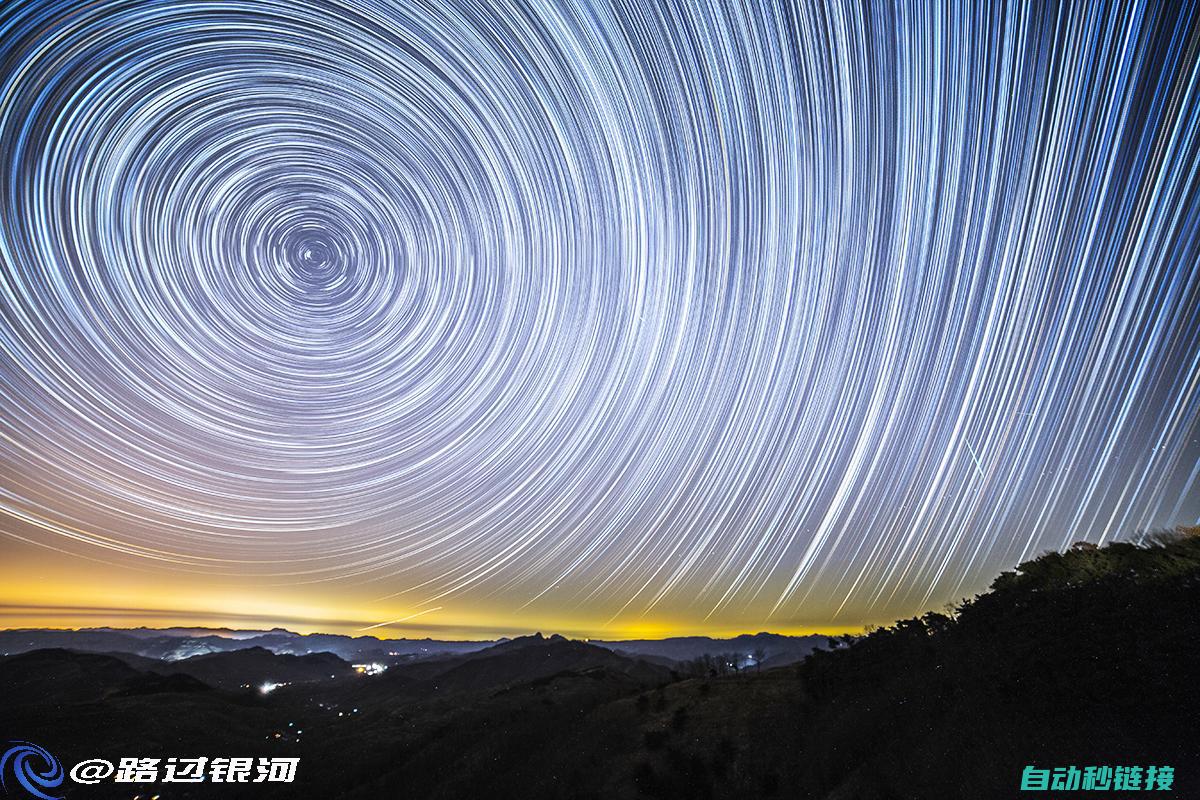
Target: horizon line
{"points": [[31, 616], [499, 636]]}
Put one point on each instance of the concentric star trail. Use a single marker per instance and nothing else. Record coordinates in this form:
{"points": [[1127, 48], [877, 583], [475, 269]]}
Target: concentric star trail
{"points": [[704, 311]]}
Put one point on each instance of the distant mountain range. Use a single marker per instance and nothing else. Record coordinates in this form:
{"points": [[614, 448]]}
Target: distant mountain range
{"points": [[177, 644]]}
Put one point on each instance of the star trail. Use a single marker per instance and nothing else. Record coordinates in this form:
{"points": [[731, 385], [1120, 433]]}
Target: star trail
{"points": [[704, 315]]}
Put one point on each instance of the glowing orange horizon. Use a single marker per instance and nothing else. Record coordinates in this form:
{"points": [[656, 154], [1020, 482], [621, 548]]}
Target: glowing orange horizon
{"points": [[43, 589]]}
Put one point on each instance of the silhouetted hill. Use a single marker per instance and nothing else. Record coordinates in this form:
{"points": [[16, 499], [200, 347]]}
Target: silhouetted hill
{"points": [[522, 660], [533, 658], [64, 677], [251, 667], [257, 665], [1083, 657]]}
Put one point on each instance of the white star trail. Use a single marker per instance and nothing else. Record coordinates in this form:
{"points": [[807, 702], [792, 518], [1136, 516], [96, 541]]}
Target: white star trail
{"points": [[701, 309]]}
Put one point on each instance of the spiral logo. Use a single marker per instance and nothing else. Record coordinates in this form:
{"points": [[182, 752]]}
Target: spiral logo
{"points": [[31, 768]]}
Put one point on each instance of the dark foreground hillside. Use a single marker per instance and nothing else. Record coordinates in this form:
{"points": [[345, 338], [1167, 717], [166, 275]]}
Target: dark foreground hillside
{"points": [[1084, 658]]}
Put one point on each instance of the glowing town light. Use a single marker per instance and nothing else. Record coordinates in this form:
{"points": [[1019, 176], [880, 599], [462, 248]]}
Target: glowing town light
{"points": [[369, 669]]}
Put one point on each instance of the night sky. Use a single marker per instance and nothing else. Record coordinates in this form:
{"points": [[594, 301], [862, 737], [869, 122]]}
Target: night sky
{"points": [[621, 320]]}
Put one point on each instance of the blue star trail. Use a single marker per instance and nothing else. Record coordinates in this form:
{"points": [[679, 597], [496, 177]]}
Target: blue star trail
{"points": [[791, 313]]}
